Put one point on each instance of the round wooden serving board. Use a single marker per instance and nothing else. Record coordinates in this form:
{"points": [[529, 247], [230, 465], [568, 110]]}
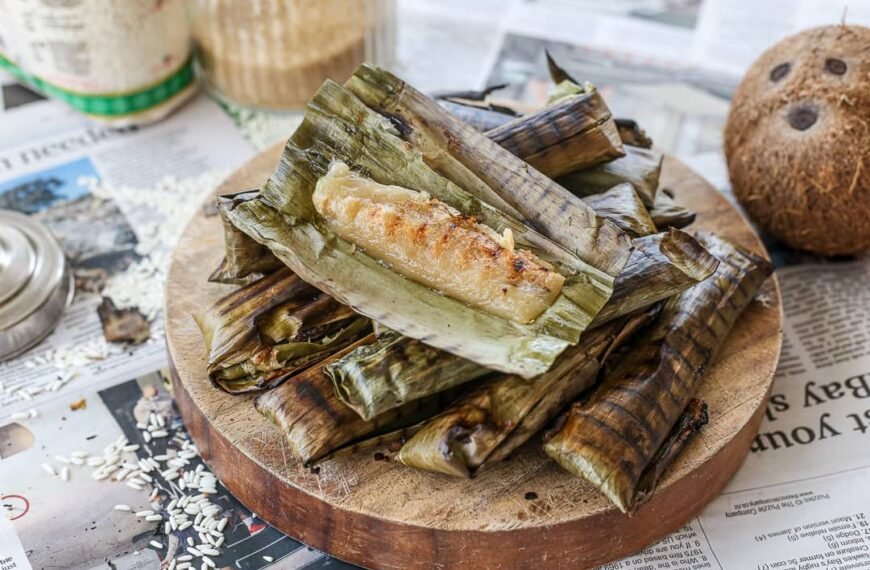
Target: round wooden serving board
{"points": [[524, 513]]}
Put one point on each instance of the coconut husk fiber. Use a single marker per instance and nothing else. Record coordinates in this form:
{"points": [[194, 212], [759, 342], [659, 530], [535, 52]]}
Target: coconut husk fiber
{"points": [[797, 140]]}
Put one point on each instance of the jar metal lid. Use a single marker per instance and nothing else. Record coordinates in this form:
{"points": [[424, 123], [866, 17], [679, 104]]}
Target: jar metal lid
{"points": [[36, 284]]}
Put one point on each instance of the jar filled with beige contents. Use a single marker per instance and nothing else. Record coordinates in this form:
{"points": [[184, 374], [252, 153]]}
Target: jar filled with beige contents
{"points": [[275, 54]]}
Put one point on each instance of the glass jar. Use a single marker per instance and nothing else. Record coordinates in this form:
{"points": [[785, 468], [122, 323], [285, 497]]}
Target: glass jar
{"points": [[274, 54]]}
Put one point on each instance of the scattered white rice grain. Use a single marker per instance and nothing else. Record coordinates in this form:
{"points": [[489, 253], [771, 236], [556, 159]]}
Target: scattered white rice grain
{"points": [[77, 461], [206, 549], [126, 508], [64, 473], [194, 551], [268, 559], [20, 416], [134, 485], [208, 561], [95, 461], [154, 518], [167, 528], [79, 454], [161, 421], [131, 447], [172, 564], [185, 525], [24, 395], [48, 469], [99, 475], [144, 513], [183, 566], [146, 477], [185, 558], [146, 436], [190, 541], [140, 425], [222, 524], [155, 544], [160, 433], [219, 542]]}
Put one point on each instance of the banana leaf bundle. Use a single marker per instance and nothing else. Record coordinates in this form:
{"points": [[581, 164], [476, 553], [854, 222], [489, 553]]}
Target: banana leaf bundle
{"points": [[639, 167], [622, 206], [460, 439], [261, 334], [316, 423], [244, 260], [574, 133], [397, 141], [615, 438], [394, 370], [666, 213]]}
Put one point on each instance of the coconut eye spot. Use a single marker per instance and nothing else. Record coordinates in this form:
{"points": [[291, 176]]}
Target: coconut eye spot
{"points": [[802, 117], [835, 66], [780, 71]]}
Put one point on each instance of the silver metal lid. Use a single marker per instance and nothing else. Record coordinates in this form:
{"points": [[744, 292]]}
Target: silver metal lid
{"points": [[36, 284]]}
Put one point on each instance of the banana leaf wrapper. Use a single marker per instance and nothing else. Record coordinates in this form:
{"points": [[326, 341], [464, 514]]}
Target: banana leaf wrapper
{"points": [[639, 167], [391, 135], [317, 424], [668, 214], [244, 260], [460, 439], [574, 133], [622, 206], [630, 133], [394, 370], [261, 334], [613, 439], [661, 265]]}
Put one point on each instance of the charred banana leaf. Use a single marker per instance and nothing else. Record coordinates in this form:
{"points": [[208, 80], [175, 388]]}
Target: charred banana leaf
{"points": [[245, 260], [389, 136], [668, 214], [613, 439], [394, 370], [630, 133], [622, 206], [316, 423], [661, 266], [639, 167], [574, 133], [261, 334], [459, 440]]}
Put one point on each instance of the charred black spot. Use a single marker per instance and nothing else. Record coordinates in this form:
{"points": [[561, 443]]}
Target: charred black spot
{"points": [[780, 71], [519, 264], [463, 438], [401, 126], [802, 116], [380, 456], [835, 66], [315, 469], [531, 496]]}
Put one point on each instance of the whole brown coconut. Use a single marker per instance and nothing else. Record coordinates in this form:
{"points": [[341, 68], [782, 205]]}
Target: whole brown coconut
{"points": [[798, 140]]}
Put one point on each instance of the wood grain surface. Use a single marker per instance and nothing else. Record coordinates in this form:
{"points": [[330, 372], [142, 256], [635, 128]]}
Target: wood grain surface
{"points": [[384, 515]]}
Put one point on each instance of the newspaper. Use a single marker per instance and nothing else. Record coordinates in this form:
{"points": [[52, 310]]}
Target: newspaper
{"points": [[800, 501]]}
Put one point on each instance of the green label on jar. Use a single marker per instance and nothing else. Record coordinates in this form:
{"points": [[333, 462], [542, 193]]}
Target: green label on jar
{"points": [[109, 104]]}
